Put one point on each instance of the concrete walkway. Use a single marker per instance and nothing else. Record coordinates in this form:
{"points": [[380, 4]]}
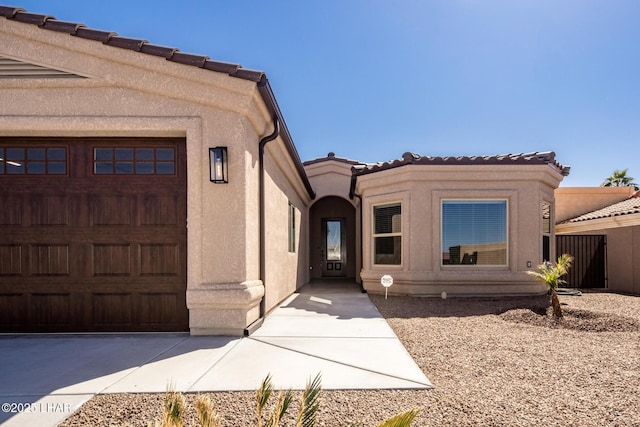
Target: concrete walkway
{"points": [[326, 328]]}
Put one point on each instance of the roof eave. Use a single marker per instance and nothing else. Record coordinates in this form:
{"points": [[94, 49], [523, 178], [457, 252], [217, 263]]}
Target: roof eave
{"points": [[272, 105], [50, 23]]}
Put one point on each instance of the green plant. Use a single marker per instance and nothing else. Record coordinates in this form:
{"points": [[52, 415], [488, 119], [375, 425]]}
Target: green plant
{"points": [[619, 179], [309, 403], [175, 406], [401, 420], [262, 397], [552, 276]]}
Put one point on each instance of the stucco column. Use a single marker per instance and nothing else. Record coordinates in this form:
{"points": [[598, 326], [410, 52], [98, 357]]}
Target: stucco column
{"points": [[224, 308]]}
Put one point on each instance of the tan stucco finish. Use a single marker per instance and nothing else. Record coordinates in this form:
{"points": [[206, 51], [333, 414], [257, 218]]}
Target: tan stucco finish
{"points": [[575, 201], [622, 231], [131, 94], [421, 190]]}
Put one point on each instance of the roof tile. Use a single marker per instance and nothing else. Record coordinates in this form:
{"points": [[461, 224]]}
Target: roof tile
{"points": [[61, 26], [157, 50], [535, 158], [188, 59], [93, 34], [252, 75], [222, 67], [126, 43], [31, 18], [625, 207], [9, 12], [113, 39]]}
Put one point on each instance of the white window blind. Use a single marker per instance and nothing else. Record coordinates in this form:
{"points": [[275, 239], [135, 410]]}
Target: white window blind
{"points": [[474, 232]]}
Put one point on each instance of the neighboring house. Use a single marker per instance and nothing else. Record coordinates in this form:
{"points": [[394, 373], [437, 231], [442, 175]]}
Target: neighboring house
{"points": [[147, 189], [600, 226]]}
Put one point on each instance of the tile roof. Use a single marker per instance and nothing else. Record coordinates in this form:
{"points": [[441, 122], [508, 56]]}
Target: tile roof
{"points": [[110, 38], [535, 158], [332, 156], [625, 207]]}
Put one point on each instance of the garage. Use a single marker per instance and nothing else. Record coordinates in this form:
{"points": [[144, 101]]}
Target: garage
{"points": [[93, 234]]}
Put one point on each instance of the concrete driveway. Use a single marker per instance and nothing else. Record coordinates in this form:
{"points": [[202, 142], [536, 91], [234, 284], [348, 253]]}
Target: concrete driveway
{"points": [[326, 330]]}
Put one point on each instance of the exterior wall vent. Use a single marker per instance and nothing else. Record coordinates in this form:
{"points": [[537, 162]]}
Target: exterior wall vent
{"points": [[12, 69]]}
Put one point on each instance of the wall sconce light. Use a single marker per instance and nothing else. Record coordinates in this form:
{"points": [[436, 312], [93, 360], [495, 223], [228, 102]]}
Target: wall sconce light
{"points": [[218, 165]]}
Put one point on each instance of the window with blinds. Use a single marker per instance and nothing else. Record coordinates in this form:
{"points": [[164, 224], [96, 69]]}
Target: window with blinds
{"points": [[387, 234], [474, 232]]}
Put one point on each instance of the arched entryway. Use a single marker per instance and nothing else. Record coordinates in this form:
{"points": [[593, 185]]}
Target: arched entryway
{"points": [[332, 230]]}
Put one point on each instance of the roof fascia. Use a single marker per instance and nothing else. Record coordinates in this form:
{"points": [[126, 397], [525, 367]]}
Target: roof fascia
{"points": [[591, 225], [272, 106]]}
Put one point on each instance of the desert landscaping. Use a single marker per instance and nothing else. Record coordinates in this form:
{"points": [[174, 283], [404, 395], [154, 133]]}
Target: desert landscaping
{"points": [[497, 361]]}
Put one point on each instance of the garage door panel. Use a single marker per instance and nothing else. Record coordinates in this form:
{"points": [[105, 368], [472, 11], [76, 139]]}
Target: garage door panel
{"points": [[159, 308], [115, 309], [111, 260], [49, 210], [112, 210], [51, 309], [81, 251], [160, 259], [11, 211], [10, 260], [49, 260], [159, 210], [14, 309]]}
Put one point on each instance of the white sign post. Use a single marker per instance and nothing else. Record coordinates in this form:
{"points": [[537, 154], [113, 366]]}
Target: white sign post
{"points": [[386, 281]]}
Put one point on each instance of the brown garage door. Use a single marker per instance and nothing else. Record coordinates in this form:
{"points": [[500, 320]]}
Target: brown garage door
{"points": [[92, 235]]}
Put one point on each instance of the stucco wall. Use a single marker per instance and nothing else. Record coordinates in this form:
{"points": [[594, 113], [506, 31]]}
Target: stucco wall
{"points": [[623, 249], [572, 202], [126, 93], [284, 271], [420, 190], [331, 180]]}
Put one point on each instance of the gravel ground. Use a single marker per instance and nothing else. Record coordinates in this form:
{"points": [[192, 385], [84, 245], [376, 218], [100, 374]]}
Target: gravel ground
{"points": [[497, 362]]}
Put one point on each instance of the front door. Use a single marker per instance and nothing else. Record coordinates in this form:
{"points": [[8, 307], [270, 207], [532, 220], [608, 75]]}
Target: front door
{"points": [[334, 251]]}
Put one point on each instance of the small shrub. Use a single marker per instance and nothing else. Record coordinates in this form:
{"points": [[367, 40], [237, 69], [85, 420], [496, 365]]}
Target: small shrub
{"points": [[175, 407]]}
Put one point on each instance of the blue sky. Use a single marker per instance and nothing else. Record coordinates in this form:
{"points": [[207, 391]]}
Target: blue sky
{"points": [[372, 79]]}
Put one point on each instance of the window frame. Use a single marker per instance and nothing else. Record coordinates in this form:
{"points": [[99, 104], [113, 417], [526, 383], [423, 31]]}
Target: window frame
{"points": [[375, 235], [136, 160], [546, 234], [292, 228], [26, 162], [475, 200]]}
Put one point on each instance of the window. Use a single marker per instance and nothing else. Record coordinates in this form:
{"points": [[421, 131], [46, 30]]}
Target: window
{"points": [[292, 228], [546, 231], [134, 161], [387, 234], [33, 160], [474, 232]]}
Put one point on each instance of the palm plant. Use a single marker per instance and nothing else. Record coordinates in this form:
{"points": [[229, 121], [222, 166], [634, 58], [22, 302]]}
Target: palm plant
{"points": [[619, 179], [284, 399], [552, 276]]}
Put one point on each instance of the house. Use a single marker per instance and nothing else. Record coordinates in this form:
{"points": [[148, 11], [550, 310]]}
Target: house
{"points": [[110, 220], [600, 227], [460, 225], [147, 189]]}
